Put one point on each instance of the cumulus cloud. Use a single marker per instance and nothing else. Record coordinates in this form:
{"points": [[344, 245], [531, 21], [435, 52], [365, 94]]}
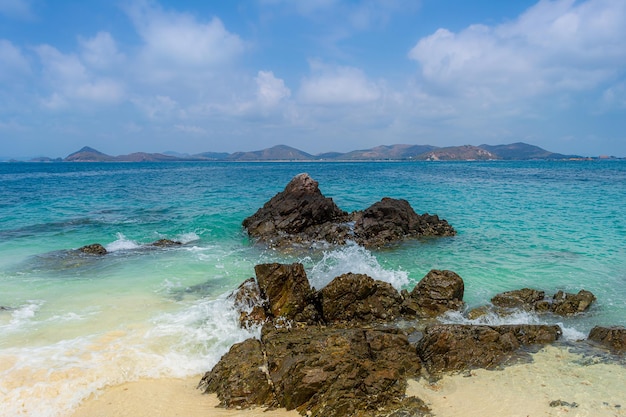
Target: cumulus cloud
{"points": [[554, 46], [70, 79], [20, 9], [338, 85], [176, 41], [270, 90], [13, 61], [100, 52]]}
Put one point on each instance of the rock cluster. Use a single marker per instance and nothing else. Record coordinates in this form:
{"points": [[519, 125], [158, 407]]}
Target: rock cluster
{"points": [[302, 215], [343, 351], [612, 337], [98, 249], [528, 299]]}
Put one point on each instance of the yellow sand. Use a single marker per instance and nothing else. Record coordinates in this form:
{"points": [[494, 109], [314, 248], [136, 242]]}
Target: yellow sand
{"points": [[162, 398], [519, 390]]}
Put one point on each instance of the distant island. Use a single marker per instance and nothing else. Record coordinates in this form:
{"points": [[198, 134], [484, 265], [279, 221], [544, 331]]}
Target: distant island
{"points": [[512, 152]]}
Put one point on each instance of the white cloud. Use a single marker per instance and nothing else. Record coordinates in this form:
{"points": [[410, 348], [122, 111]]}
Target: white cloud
{"points": [[100, 52], [178, 41], [69, 79], [16, 9], [338, 85], [13, 61], [270, 90], [191, 129], [555, 46], [158, 107]]}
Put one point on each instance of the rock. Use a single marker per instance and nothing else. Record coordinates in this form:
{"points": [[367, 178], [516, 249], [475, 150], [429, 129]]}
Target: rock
{"points": [[455, 347], [391, 220], [248, 301], [612, 337], [333, 371], [561, 403], [565, 304], [526, 298], [439, 291], [295, 211], [287, 291], [302, 215], [240, 378], [93, 249], [358, 297], [163, 243]]}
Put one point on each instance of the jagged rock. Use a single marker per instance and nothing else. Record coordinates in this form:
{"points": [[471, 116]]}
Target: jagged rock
{"points": [[526, 298], [391, 220], [248, 301], [295, 211], [454, 347], [612, 337], [436, 293], [287, 291], [162, 243], [358, 297], [240, 378], [93, 249], [302, 215], [565, 304]]}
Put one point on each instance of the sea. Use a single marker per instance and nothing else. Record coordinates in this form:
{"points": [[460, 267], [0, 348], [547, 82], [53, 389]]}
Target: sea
{"points": [[73, 324]]}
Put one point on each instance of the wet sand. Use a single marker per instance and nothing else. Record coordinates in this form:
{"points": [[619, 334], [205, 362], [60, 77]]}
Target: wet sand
{"points": [[584, 387]]}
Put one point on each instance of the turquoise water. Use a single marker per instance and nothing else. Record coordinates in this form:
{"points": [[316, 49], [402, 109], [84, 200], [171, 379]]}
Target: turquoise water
{"points": [[76, 324]]}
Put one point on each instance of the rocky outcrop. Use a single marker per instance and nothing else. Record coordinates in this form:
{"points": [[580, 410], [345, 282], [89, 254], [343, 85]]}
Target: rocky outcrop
{"points": [[438, 292], [561, 303], [302, 215], [164, 243], [455, 347], [93, 249], [612, 337], [359, 298]]}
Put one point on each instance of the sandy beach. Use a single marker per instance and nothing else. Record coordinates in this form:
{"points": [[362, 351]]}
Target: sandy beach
{"points": [[584, 387]]}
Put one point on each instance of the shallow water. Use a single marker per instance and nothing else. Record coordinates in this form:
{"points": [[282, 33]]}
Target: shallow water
{"points": [[77, 323]]}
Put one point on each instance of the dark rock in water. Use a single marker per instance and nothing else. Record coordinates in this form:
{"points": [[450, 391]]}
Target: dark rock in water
{"points": [[439, 291], [391, 220], [287, 290], [302, 215], [4, 308], [320, 371], [162, 243], [358, 297], [454, 347], [248, 301], [612, 337], [565, 304], [298, 210], [240, 378], [93, 249], [561, 403], [525, 299]]}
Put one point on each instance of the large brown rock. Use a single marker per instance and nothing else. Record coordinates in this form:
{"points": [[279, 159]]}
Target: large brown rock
{"points": [[391, 220], [454, 347], [296, 211], [439, 291], [566, 304], [612, 337], [358, 297], [562, 303], [93, 249], [287, 291], [248, 301], [301, 215], [526, 298], [240, 378]]}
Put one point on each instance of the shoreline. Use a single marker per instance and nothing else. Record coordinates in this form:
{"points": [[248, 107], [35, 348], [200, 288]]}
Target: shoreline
{"points": [[556, 382]]}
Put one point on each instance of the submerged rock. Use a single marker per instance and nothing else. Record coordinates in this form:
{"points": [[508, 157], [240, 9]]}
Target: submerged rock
{"points": [[302, 215], [455, 347], [561, 303], [93, 249], [163, 243], [611, 337]]}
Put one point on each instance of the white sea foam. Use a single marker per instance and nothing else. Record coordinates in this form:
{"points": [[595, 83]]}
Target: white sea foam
{"points": [[51, 380], [188, 237], [22, 316], [516, 317], [122, 243], [352, 258]]}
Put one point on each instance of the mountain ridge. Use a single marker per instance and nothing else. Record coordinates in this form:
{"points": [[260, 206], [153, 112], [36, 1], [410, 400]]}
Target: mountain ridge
{"points": [[399, 152]]}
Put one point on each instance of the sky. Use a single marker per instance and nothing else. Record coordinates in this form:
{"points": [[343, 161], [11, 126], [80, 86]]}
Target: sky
{"points": [[195, 76]]}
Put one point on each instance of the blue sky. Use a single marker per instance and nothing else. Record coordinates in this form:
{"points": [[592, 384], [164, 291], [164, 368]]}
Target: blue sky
{"points": [[318, 75]]}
